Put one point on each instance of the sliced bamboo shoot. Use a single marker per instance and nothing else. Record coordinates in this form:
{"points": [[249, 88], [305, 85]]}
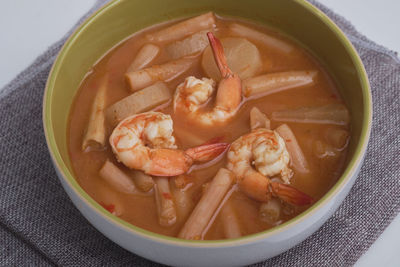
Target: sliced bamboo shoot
{"points": [[117, 178], [144, 57], [184, 28], [95, 137], [296, 154], [138, 102], [195, 43], [259, 119], [276, 82], [165, 72], [203, 212], [230, 221], [183, 201], [328, 114], [268, 41], [242, 57], [270, 211], [182, 181], [143, 181], [164, 202]]}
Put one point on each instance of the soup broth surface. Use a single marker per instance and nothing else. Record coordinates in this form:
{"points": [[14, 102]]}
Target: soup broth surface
{"points": [[140, 210]]}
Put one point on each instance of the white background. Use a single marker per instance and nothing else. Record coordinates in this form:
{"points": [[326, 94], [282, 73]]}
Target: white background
{"points": [[28, 28]]}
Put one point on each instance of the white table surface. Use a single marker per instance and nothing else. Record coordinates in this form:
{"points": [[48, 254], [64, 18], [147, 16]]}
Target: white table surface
{"points": [[28, 28]]}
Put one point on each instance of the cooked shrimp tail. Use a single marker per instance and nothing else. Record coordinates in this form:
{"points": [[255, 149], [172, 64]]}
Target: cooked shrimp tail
{"points": [[206, 152], [219, 56], [172, 162], [229, 94], [290, 194]]}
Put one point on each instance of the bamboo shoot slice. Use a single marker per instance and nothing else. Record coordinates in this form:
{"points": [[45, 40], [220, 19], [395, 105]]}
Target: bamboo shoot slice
{"points": [[183, 201], [205, 208], [269, 41], [242, 57], [230, 221], [117, 178], [195, 43], [297, 157], [328, 114], [142, 181], [164, 202], [95, 137], [144, 57], [270, 211], [184, 28], [276, 82], [182, 181], [259, 119], [138, 102], [165, 72]]}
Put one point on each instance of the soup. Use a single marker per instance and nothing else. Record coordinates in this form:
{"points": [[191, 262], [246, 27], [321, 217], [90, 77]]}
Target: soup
{"points": [[208, 128]]}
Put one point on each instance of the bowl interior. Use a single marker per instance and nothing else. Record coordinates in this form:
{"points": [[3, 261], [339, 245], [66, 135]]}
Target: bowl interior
{"points": [[119, 19]]}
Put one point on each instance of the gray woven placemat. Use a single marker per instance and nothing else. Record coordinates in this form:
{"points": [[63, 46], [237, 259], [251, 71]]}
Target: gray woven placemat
{"points": [[39, 225]]}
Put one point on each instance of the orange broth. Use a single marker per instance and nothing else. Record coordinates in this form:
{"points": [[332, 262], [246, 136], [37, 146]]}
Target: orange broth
{"points": [[141, 210]]}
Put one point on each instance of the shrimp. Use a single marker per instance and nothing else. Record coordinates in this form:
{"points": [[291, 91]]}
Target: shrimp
{"points": [[193, 93], [267, 150], [145, 142]]}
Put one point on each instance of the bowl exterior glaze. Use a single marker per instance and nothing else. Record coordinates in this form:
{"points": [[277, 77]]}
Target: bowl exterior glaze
{"points": [[119, 19], [235, 254]]}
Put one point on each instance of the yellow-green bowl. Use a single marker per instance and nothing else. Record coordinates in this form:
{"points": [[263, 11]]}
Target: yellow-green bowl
{"points": [[119, 19]]}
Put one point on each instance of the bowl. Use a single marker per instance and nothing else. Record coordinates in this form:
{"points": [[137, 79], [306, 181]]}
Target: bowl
{"points": [[117, 20]]}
